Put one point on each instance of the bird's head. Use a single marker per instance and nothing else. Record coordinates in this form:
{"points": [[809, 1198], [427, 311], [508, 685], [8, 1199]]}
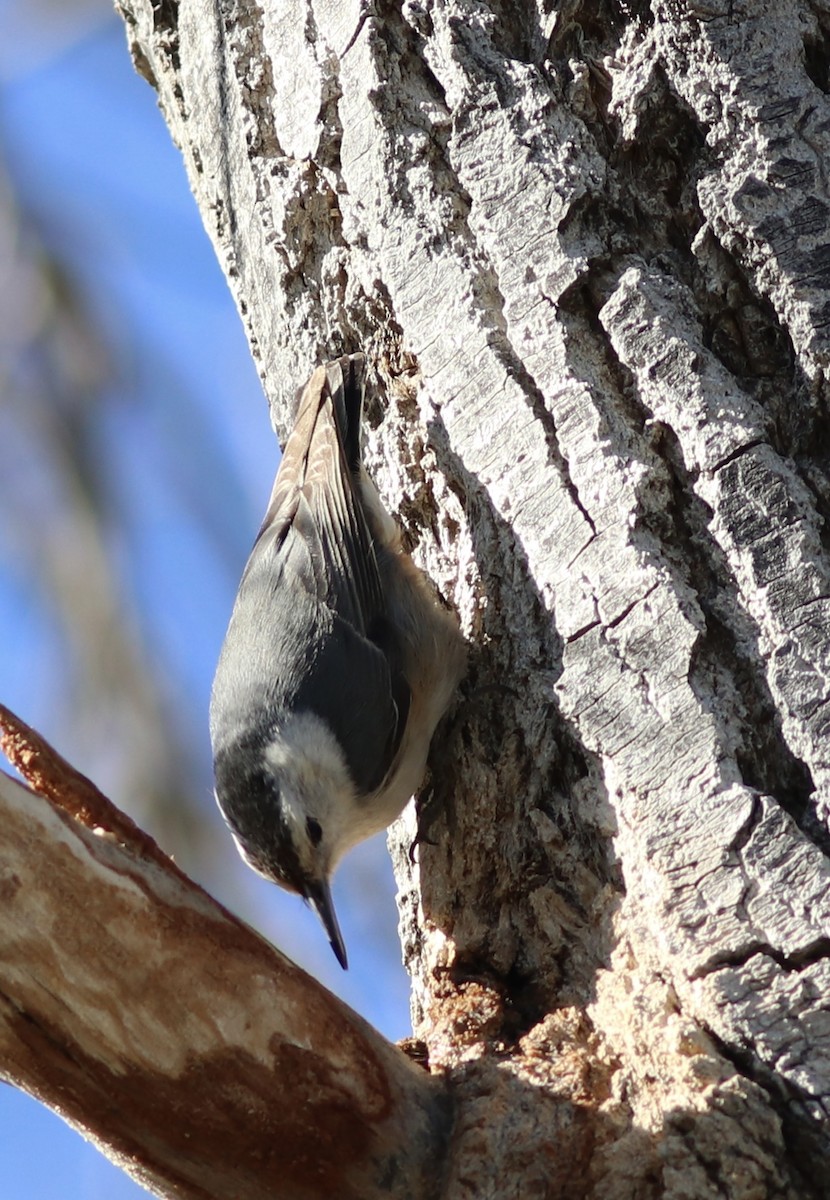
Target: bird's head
{"points": [[290, 805]]}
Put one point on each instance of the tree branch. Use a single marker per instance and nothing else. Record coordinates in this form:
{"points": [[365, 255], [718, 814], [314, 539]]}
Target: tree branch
{"points": [[197, 1056]]}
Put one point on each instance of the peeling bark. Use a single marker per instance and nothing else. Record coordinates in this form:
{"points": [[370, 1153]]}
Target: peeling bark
{"points": [[194, 1054], [587, 253]]}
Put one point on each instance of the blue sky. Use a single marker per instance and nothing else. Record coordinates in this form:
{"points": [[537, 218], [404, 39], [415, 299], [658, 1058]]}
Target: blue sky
{"points": [[88, 150]]}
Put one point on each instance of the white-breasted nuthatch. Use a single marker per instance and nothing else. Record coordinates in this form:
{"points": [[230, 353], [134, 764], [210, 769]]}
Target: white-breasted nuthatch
{"points": [[337, 665]]}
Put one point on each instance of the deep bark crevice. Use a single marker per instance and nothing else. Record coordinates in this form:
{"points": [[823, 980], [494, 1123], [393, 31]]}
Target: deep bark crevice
{"points": [[805, 1141]]}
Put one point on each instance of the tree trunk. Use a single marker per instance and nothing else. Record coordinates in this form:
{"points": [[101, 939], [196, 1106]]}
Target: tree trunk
{"points": [[586, 252]]}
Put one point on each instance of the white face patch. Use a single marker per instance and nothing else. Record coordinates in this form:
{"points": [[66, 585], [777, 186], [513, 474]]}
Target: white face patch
{"points": [[310, 769], [305, 747]]}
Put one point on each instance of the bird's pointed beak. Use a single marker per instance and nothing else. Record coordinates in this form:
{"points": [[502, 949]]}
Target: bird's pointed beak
{"points": [[318, 895]]}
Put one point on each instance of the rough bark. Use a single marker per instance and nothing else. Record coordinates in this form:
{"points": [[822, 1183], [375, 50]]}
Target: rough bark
{"points": [[587, 252], [198, 1057]]}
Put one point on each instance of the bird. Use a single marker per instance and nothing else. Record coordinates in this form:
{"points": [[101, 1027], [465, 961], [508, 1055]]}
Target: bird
{"points": [[338, 662]]}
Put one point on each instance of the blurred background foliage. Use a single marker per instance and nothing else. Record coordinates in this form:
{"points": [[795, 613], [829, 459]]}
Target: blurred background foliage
{"points": [[135, 462]]}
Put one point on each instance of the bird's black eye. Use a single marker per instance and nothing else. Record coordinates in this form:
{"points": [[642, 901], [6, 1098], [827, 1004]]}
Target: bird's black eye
{"points": [[314, 830]]}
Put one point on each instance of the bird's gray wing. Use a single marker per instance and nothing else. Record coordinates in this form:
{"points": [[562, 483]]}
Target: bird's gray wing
{"points": [[314, 517], [284, 653], [350, 685], [337, 655]]}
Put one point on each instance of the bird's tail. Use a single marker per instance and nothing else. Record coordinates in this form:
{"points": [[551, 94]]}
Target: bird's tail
{"points": [[346, 378]]}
